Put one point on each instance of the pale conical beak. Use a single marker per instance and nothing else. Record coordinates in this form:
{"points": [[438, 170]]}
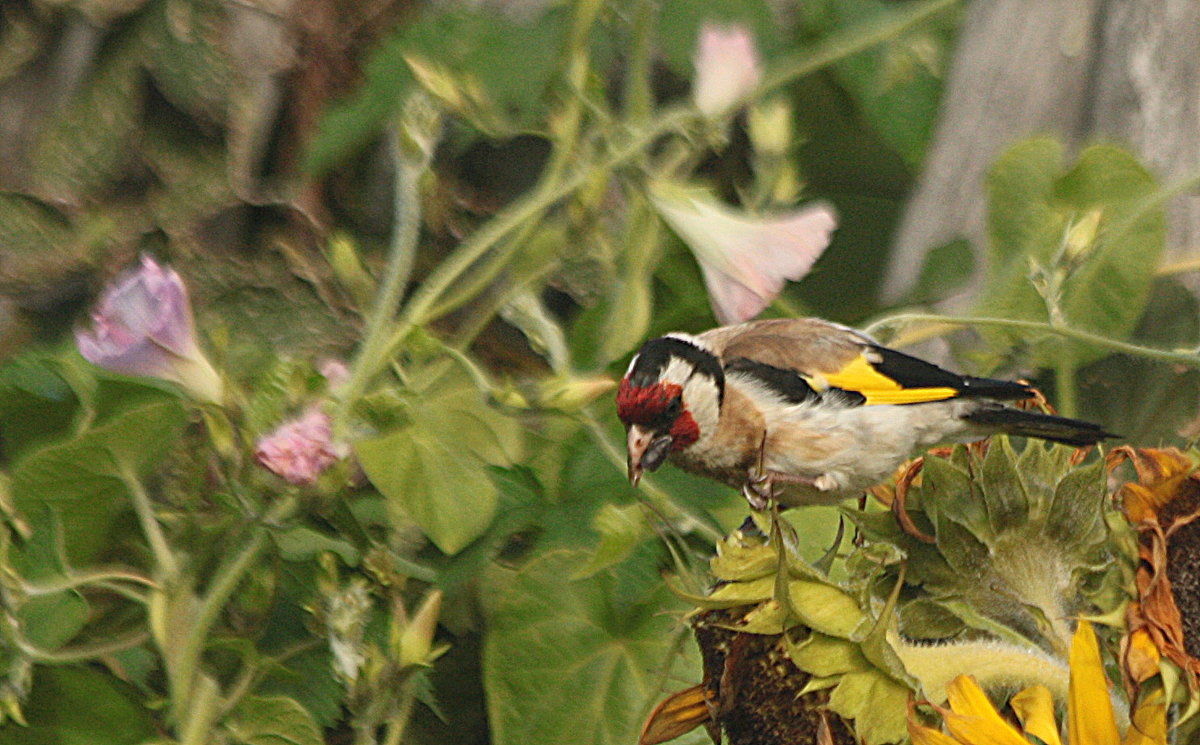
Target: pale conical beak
{"points": [[645, 452]]}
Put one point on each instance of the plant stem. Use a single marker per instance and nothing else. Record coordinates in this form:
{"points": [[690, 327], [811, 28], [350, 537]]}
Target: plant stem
{"points": [[202, 712], [167, 566], [186, 666], [560, 180], [82, 578], [1064, 386], [1189, 358], [637, 96], [849, 42], [82, 652], [398, 722], [992, 663], [406, 231]]}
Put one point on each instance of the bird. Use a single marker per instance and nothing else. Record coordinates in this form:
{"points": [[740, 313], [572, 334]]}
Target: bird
{"points": [[802, 411]]}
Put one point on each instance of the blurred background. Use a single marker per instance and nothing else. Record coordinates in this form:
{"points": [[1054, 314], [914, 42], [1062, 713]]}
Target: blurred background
{"points": [[1031, 164]]}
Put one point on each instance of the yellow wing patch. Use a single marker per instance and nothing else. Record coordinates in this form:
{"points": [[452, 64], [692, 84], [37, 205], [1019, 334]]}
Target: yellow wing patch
{"points": [[860, 376]]}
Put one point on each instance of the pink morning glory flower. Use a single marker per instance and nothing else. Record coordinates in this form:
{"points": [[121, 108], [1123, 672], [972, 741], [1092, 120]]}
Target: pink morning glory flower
{"points": [[301, 449], [727, 68], [745, 259], [142, 325]]}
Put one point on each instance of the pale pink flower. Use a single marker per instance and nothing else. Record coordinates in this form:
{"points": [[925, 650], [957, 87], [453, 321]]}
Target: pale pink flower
{"points": [[300, 450], [745, 259], [727, 68], [142, 325]]}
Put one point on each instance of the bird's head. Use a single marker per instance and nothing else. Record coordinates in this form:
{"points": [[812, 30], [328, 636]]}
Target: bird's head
{"points": [[669, 398]]}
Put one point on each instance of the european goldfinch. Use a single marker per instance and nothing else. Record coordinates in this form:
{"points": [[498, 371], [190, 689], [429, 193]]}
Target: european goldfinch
{"points": [[804, 411]]}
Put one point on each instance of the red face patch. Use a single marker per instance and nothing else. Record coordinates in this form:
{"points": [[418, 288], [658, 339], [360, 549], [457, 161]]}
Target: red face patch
{"points": [[647, 404], [685, 431]]}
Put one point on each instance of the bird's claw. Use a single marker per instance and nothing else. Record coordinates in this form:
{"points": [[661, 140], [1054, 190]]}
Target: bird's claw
{"points": [[758, 491]]}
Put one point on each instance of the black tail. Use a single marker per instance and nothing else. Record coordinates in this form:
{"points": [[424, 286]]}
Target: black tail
{"points": [[1043, 426]]}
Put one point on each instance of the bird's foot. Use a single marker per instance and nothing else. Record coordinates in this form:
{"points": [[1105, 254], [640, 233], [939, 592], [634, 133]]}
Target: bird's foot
{"points": [[759, 489]]}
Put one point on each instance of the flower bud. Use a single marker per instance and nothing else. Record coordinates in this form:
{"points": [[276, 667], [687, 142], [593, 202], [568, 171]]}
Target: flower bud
{"points": [[727, 68], [770, 127], [416, 640], [571, 394]]}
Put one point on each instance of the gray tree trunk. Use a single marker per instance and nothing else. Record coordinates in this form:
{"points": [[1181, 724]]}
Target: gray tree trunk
{"points": [[1126, 71]]}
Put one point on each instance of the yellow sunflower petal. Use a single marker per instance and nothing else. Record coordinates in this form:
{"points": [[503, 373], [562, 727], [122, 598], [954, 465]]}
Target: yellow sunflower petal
{"points": [[973, 719], [926, 736], [1141, 656], [1035, 707], [1149, 725], [1090, 719]]}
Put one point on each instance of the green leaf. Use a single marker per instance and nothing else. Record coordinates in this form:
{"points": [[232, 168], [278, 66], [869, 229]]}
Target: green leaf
{"points": [[36, 405], [824, 656], [70, 705], [946, 270], [1006, 501], [577, 661], [510, 61], [79, 477], [1022, 224], [825, 608], [621, 529], [877, 704], [1108, 292], [522, 507], [308, 678], [274, 720], [897, 85], [738, 559], [447, 493], [1104, 282], [1146, 401], [734, 594], [49, 621], [434, 469], [1076, 516], [926, 619]]}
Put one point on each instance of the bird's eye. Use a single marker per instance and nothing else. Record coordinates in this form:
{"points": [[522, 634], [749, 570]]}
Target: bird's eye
{"points": [[674, 409]]}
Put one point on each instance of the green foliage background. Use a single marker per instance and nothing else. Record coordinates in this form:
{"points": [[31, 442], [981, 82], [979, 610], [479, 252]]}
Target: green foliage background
{"points": [[453, 199]]}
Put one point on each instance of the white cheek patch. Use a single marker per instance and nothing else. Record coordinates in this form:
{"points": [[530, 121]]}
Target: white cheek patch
{"points": [[632, 363], [703, 401], [678, 372]]}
